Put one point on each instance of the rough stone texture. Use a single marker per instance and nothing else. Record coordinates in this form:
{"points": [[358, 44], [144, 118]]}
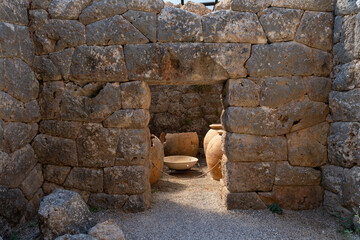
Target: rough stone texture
{"points": [[318, 88], [56, 35], [17, 135], [135, 95], [286, 59], [333, 178], [250, 6], [125, 180], [241, 93], [33, 205], [101, 9], [333, 204], [97, 145], [347, 76], [61, 129], [12, 205], [145, 22], [133, 147], [54, 150], [108, 230], [107, 201], [307, 147], [344, 144], [56, 174], [14, 11], [249, 148], [178, 25], [229, 26], [85, 179], [32, 182], [16, 166], [205, 63], [345, 106], [40, 4], [128, 118], [62, 212], [242, 201], [321, 5], [145, 5], [346, 7], [76, 237], [286, 175], [196, 8], [137, 203], [223, 5], [113, 31], [248, 177], [351, 191], [280, 24], [98, 64], [67, 9], [50, 98], [316, 30]]}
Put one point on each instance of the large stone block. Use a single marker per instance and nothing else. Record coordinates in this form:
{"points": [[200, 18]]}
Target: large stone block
{"points": [[145, 5], [137, 203], [17, 135], [178, 25], [13, 110], [113, 31], [40, 4], [32, 183], [286, 59], [15, 41], [56, 174], [287, 175], [20, 81], [61, 129], [67, 9], [247, 6], [197, 8], [249, 148], [12, 205], [54, 150], [316, 30], [56, 35], [97, 145], [318, 88], [50, 97], [93, 102], [241, 93], [280, 24], [321, 5], [14, 12], [135, 95], [91, 63], [344, 144], [248, 177], [56, 66], [243, 201], [346, 7], [307, 147], [145, 22], [15, 167], [133, 147], [229, 26], [45, 69], [125, 180], [345, 106], [107, 230], [85, 179], [351, 190], [128, 118], [347, 76], [333, 204], [101, 9], [333, 178], [281, 90], [107, 201]]}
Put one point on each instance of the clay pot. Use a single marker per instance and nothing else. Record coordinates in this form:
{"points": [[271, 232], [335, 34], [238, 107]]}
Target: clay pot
{"points": [[186, 144], [157, 159], [215, 128], [214, 156]]}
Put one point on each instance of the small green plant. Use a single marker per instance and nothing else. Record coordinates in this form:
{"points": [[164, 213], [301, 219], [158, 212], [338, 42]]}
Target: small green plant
{"points": [[32, 225], [94, 209], [347, 226], [275, 208]]}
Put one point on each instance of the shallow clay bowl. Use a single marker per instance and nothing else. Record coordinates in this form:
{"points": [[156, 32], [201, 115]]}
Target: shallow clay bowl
{"points": [[180, 162]]}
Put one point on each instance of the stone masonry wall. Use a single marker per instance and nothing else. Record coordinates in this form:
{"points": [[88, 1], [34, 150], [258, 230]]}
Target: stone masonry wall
{"points": [[81, 122], [341, 177], [188, 108]]}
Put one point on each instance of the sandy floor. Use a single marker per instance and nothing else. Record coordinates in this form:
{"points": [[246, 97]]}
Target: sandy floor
{"points": [[190, 208]]}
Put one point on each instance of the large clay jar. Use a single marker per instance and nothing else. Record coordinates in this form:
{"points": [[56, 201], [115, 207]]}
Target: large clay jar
{"points": [[215, 128], [186, 144], [157, 159], [214, 156]]}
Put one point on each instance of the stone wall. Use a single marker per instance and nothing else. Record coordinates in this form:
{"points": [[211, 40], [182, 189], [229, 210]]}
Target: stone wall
{"points": [[341, 177], [188, 108], [81, 122]]}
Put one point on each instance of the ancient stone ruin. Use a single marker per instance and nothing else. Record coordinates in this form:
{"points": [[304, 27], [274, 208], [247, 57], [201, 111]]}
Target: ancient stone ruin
{"points": [[75, 99]]}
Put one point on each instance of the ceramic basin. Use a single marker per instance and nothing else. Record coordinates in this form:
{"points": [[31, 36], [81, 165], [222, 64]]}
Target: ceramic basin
{"points": [[180, 162]]}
